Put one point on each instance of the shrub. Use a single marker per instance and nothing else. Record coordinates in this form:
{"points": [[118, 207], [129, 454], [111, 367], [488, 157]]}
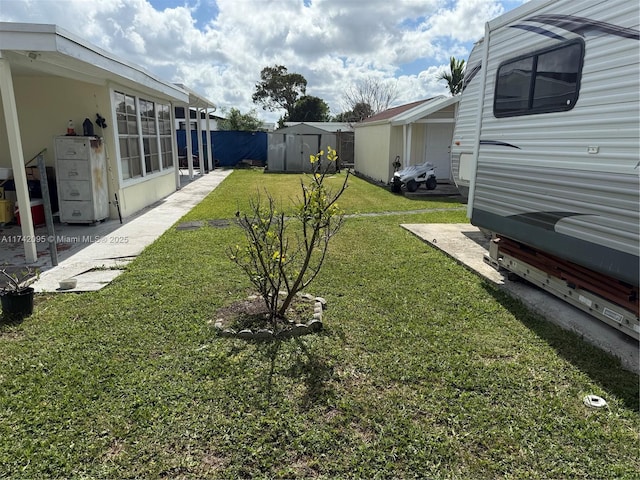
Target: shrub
{"points": [[283, 255]]}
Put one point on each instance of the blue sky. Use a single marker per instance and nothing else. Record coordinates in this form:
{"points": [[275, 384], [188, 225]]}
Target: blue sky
{"points": [[219, 47]]}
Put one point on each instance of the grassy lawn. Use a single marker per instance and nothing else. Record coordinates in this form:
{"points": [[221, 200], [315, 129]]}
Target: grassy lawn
{"points": [[423, 370]]}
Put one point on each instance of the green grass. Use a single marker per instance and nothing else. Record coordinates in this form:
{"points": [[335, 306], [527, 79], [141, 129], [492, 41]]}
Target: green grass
{"points": [[423, 370], [360, 196]]}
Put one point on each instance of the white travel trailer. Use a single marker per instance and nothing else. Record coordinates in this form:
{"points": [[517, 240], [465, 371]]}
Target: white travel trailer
{"points": [[547, 146]]}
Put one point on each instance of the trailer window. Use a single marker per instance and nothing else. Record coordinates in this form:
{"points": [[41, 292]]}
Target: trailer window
{"points": [[542, 82]]}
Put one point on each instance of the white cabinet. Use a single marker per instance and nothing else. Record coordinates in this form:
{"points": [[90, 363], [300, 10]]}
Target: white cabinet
{"points": [[81, 173]]}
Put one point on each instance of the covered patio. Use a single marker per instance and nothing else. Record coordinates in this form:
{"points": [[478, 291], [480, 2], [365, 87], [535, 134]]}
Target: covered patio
{"points": [[50, 78]]}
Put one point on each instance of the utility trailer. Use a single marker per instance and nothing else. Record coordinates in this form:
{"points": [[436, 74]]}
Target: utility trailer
{"points": [[547, 147]]}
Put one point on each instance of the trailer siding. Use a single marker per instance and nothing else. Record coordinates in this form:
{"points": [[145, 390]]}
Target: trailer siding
{"points": [[464, 131]]}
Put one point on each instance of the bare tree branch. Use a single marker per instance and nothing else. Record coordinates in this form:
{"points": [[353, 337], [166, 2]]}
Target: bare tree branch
{"points": [[375, 93]]}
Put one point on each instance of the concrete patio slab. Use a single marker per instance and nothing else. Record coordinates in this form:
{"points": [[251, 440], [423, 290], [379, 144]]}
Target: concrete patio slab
{"points": [[90, 275]]}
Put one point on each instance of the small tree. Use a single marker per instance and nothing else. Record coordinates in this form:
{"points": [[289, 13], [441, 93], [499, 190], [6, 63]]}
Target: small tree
{"points": [[277, 259], [455, 76]]}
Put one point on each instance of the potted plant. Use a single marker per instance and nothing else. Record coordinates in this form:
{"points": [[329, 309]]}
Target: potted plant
{"points": [[17, 294]]}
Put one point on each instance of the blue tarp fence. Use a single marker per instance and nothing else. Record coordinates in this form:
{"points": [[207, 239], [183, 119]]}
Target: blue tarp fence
{"points": [[229, 147]]}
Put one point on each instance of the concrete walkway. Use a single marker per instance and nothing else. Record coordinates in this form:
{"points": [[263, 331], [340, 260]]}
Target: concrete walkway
{"points": [[468, 245], [98, 264]]}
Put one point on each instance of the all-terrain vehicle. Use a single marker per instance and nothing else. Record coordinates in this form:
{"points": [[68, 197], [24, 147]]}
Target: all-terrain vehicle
{"points": [[413, 176]]}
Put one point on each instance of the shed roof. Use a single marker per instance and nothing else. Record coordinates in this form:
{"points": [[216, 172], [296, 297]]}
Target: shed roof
{"points": [[303, 128], [423, 110], [392, 112], [410, 112], [327, 126]]}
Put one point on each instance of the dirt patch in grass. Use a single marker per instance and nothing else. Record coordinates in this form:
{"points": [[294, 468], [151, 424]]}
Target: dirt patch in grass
{"points": [[252, 313]]}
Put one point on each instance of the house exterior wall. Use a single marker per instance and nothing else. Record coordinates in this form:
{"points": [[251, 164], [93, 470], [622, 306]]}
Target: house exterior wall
{"points": [[396, 143], [136, 197], [418, 144], [373, 152], [140, 191], [46, 104]]}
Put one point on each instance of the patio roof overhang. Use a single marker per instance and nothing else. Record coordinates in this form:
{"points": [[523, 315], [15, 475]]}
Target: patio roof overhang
{"points": [[40, 49], [47, 50]]}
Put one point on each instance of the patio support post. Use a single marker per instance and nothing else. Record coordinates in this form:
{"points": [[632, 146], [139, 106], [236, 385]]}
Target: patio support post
{"points": [[17, 159], [409, 140], [209, 142], [187, 127], [404, 145], [174, 147], [200, 146]]}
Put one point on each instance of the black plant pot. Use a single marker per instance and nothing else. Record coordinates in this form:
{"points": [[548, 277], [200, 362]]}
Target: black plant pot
{"points": [[18, 303]]}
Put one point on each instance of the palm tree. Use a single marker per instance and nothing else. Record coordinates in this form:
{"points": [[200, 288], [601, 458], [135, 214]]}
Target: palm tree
{"points": [[455, 76]]}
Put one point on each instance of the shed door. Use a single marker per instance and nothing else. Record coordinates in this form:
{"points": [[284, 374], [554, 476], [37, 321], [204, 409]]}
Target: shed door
{"points": [[292, 155], [310, 146], [438, 149]]}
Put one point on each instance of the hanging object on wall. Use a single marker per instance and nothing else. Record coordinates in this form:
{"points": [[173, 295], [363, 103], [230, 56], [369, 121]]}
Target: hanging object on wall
{"points": [[100, 121], [87, 128]]}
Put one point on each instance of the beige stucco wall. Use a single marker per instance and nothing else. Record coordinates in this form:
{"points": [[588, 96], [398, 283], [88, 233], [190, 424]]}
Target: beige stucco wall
{"points": [[135, 197], [418, 143], [397, 143], [46, 104], [372, 151]]}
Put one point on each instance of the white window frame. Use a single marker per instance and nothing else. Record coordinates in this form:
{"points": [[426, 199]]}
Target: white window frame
{"points": [[163, 170], [165, 136]]}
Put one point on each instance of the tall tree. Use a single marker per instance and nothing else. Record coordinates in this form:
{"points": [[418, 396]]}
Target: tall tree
{"points": [[279, 89], [309, 109], [455, 76], [378, 95], [237, 120]]}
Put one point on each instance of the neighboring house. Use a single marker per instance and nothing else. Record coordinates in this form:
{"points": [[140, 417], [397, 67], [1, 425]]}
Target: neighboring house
{"points": [[290, 147], [181, 124], [416, 132], [49, 76]]}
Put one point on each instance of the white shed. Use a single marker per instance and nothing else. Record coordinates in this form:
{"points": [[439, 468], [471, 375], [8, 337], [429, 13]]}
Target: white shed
{"points": [[416, 132], [290, 147], [49, 76]]}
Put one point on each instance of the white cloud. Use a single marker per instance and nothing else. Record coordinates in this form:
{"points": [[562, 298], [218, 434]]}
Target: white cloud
{"points": [[465, 22], [333, 43]]}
